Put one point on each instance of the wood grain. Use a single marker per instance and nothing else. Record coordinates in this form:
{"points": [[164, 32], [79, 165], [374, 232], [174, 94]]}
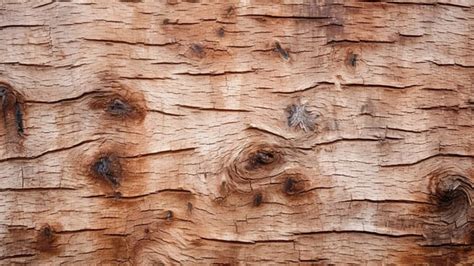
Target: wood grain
{"points": [[237, 132]]}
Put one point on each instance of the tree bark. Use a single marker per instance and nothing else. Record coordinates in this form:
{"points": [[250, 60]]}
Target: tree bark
{"points": [[304, 132]]}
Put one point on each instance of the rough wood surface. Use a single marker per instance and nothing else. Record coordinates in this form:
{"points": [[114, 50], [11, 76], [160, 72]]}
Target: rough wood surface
{"points": [[311, 132]]}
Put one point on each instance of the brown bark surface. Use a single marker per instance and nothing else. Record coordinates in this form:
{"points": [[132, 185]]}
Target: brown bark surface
{"points": [[259, 132]]}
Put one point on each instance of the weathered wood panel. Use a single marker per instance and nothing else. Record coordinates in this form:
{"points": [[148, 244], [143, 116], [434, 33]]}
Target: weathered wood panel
{"points": [[141, 132]]}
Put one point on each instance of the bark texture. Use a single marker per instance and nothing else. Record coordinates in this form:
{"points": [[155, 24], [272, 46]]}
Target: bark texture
{"points": [[310, 132]]}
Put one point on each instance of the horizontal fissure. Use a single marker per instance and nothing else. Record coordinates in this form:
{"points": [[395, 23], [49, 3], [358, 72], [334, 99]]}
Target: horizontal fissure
{"points": [[360, 232], [454, 155], [47, 152], [200, 108]]}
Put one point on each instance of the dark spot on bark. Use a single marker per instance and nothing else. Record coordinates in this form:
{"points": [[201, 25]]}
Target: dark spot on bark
{"points": [[108, 168], [451, 209], [147, 230], [255, 161], [263, 157], [168, 21], [260, 158], [47, 232], [447, 197], [292, 186], [19, 119], [257, 199], [117, 195], [223, 189], [283, 53], [367, 108], [230, 11], [45, 238], [299, 116], [119, 108], [221, 32], [453, 192], [3, 93], [120, 103], [190, 207], [169, 215], [4, 102], [352, 59], [219, 200], [198, 49], [11, 107]]}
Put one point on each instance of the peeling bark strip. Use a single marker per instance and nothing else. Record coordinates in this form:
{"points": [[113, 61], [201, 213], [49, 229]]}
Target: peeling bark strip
{"points": [[243, 132]]}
